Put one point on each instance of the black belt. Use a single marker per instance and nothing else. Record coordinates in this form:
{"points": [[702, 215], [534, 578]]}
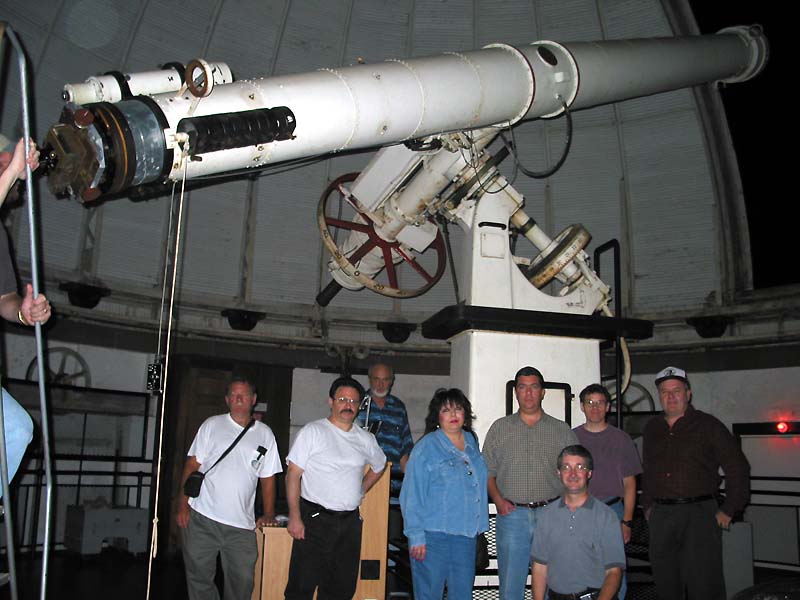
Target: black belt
{"points": [[313, 506], [690, 500], [612, 501], [587, 594], [535, 504]]}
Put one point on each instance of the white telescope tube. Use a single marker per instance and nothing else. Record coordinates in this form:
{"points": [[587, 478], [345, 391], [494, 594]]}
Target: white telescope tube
{"points": [[586, 74], [618, 70], [375, 105], [364, 106]]}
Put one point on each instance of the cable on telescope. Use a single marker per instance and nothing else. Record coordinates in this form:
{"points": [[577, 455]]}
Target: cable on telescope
{"points": [[550, 172], [472, 162], [275, 169]]}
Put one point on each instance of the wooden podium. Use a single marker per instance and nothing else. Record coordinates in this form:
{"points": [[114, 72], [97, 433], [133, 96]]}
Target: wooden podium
{"points": [[275, 549]]}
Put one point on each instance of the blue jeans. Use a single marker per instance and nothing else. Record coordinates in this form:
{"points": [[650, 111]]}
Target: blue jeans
{"points": [[619, 508], [448, 559], [514, 534], [19, 433]]}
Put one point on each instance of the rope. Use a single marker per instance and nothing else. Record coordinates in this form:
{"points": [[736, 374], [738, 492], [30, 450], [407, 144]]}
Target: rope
{"points": [[626, 358], [176, 253], [166, 271]]}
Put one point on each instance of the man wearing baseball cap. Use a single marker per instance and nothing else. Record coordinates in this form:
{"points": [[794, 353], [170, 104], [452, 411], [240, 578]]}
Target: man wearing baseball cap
{"points": [[684, 449]]}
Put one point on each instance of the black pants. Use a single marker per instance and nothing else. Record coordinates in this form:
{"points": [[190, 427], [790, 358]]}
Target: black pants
{"points": [[327, 558], [686, 551]]}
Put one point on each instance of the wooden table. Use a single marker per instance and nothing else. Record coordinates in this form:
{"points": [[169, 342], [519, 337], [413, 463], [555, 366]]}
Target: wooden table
{"points": [[275, 549]]}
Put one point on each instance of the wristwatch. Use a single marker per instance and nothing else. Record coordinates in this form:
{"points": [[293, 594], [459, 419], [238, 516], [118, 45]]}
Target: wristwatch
{"points": [[628, 523]]}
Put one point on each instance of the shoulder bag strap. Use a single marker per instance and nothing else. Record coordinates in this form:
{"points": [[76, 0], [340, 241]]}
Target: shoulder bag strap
{"points": [[232, 446]]}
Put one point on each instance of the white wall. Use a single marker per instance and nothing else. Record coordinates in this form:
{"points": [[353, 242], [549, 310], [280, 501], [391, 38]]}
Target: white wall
{"points": [[742, 396], [310, 396], [110, 368], [733, 396]]}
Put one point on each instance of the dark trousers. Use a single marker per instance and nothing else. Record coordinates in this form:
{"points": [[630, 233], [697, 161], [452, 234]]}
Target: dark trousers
{"points": [[327, 558], [686, 551]]}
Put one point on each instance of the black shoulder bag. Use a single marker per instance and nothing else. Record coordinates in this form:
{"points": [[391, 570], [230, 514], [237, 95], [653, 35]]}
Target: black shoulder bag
{"points": [[193, 483]]}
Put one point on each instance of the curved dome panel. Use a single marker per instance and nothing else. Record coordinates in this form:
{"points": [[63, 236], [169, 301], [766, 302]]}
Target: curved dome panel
{"points": [[638, 171]]}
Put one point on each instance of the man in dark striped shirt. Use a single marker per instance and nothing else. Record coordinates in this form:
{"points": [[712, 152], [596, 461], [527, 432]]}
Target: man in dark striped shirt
{"points": [[684, 449]]}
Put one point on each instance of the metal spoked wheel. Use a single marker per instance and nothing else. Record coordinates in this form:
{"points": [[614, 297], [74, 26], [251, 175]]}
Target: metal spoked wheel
{"points": [[637, 398], [392, 254], [561, 251], [64, 366]]}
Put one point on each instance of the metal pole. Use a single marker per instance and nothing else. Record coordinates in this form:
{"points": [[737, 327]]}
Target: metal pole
{"points": [[613, 244], [80, 461], [8, 514], [26, 132]]}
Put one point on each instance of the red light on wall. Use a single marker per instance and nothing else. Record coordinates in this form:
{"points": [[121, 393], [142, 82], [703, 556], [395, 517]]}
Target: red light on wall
{"points": [[782, 427]]}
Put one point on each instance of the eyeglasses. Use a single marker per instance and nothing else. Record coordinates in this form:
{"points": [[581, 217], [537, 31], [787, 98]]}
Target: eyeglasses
{"points": [[344, 400], [595, 402], [569, 468]]}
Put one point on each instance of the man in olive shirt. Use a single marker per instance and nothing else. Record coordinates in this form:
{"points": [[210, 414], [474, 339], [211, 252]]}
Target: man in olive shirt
{"points": [[521, 452], [684, 449]]}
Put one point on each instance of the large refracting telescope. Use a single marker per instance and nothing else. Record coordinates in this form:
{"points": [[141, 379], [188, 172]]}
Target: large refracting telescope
{"points": [[120, 131]]}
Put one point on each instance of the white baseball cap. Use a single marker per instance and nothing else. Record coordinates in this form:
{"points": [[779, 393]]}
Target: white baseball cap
{"points": [[672, 373]]}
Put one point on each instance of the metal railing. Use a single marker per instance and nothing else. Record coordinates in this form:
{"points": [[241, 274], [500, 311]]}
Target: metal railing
{"points": [[115, 489]]}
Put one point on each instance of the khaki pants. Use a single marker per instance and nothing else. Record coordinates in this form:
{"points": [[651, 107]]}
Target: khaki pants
{"points": [[203, 540]]}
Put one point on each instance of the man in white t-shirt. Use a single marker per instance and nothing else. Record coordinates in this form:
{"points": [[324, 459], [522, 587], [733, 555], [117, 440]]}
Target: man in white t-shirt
{"points": [[325, 482], [221, 519]]}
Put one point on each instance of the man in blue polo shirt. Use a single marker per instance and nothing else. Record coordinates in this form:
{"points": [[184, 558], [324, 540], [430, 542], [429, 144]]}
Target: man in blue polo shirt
{"points": [[577, 551], [385, 415]]}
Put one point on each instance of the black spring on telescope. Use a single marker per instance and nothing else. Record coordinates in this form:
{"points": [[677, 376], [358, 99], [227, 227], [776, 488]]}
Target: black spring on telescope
{"points": [[213, 133]]}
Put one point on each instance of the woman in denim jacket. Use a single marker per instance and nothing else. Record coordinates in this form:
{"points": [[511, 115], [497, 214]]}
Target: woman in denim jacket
{"points": [[444, 500]]}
